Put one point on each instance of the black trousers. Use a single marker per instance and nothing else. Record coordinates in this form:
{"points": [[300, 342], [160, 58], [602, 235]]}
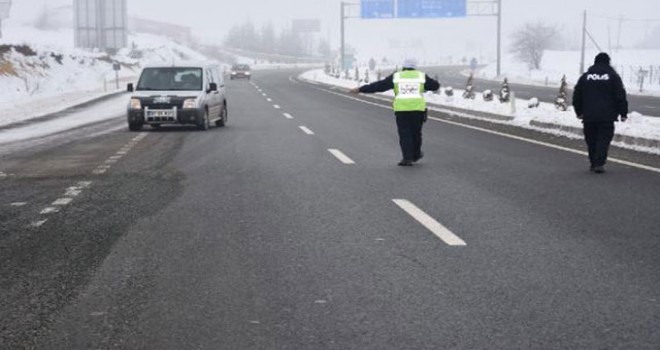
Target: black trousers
{"points": [[598, 135], [410, 133]]}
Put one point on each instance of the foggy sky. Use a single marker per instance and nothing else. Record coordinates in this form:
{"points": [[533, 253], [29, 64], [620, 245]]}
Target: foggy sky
{"points": [[210, 19]]}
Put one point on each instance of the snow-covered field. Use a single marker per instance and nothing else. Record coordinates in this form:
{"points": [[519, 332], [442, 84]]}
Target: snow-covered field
{"points": [[637, 126], [558, 63]]}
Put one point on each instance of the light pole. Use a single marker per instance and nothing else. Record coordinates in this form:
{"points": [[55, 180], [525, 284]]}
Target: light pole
{"points": [[584, 42]]}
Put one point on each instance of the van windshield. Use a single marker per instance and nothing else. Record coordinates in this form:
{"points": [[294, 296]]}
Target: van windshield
{"points": [[171, 79]]}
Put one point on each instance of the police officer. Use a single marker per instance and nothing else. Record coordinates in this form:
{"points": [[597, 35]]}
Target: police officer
{"points": [[409, 106], [600, 100]]}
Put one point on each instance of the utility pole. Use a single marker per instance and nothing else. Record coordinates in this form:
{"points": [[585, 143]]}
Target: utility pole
{"points": [[618, 39], [499, 37], [343, 36], [584, 42]]}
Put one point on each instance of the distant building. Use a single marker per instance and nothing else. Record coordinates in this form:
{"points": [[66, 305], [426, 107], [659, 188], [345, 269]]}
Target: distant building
{"points": [[5, 6], [101, 24]]}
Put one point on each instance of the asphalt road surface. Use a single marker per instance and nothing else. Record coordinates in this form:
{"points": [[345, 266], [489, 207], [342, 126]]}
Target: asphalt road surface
{"points": [[451, 76], [292, 228]]}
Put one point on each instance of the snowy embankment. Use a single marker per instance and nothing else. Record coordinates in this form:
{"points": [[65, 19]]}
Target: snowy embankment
{"points": [[41, 73], [640, 132], [559, 63]]}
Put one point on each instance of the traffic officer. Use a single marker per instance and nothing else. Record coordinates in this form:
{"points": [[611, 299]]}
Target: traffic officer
{"points": [[600, 100], [409, 106]]}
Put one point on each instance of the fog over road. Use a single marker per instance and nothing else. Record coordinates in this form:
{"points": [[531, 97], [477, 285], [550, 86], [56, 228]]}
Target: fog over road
{"points": [[293, 228]]}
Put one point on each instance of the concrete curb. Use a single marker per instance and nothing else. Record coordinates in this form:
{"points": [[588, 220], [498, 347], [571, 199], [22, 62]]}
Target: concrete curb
{"points": [[628, 140], [459, 112]]}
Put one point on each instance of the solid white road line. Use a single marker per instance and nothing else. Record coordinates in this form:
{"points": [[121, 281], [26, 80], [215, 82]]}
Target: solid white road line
{"points": [[430, 223], [545, 144], [306, 130], [540, 143], [276, 106], [288, 116], [341, 156]]}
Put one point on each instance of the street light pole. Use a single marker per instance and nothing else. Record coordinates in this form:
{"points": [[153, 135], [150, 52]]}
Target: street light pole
{"points": [[584, 42], [499, 37]]}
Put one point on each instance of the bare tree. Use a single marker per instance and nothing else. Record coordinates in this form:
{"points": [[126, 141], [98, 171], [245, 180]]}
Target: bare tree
{"points": [[530, 42]]}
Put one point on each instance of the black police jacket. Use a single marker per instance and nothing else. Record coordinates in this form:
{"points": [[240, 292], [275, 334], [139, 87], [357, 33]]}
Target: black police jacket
{"points": [[600, 96]]}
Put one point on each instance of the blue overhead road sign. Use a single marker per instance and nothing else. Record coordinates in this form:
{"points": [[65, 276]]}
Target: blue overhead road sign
{"points": [[431, 8], [374, 9]]}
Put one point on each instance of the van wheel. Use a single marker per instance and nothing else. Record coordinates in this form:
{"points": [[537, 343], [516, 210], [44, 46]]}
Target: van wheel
{"points": [[134, 127], [223, 118], [204, 123]]}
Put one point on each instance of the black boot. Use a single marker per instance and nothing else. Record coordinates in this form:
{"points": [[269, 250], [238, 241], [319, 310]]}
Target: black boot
{"points": [[421, 155], [405, 162]]}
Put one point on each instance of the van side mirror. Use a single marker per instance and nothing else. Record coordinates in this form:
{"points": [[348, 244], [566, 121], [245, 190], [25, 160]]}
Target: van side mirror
{"points": [[213, 87], [130, 87]]}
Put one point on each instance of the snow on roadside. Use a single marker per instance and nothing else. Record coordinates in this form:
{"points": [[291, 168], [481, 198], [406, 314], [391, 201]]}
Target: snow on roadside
{"points": [[558, 63], [112, 108], [638, 126]]}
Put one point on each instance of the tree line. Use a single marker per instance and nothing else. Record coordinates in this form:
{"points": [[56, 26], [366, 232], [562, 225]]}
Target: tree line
{"points": [[267, 39]]}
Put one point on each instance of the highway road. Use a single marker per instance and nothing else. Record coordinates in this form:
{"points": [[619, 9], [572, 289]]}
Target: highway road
{"points": [[293, 228], [647, 105]]}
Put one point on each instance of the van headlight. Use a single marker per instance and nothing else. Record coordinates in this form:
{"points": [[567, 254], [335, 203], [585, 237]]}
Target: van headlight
{"points": [[190, 103], [136, 104]]}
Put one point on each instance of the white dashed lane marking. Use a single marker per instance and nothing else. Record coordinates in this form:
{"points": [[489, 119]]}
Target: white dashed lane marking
{"points": [[38, 223], [75, 191], [306, 130], [288, 116], [269, 99], [276, 106], [62, 202], [18, 204], [49, 210], [430, 223], [341, 156]]}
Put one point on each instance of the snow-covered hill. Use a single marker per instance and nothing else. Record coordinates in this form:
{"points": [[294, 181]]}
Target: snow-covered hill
{"points": [[41, 72]]}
